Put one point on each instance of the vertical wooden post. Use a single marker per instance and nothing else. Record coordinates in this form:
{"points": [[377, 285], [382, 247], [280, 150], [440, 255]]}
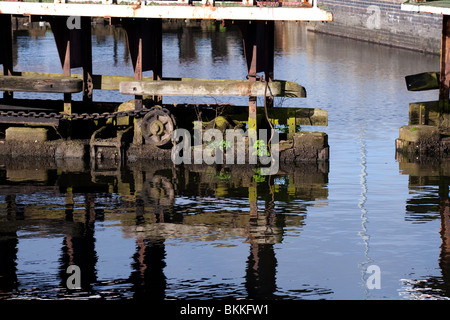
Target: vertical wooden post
{"points": [[144, 38], [6, 54], [252, 104], [157, 48], [138, 73], [145, 46], [259, 50], [63, 39], [86, 60], [445, 65], [291, 122], [157, 52], [67, 73], [269, 37]]}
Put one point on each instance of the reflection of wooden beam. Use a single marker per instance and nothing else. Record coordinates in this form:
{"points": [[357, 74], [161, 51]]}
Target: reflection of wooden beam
{"points": [[212, 88], [204, 232]]}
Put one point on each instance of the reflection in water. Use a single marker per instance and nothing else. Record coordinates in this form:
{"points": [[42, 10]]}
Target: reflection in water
{"points": [[444, 211], [8, 249], [157, 205], [198, 232], [429, 182], [148, 276], [362, 206], [79, 245]]}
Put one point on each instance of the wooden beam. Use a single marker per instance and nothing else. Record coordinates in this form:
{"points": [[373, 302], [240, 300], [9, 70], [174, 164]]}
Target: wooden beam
{"points": [[423, 81], [444, 81], [34, 84], [67, 41], [111, 82], [157, 52], [86, 58], [167, 11], [99, 82], [6, 54], [212, 88], [283, 116], [433, 7], [138, 73], [269, 56], [141, 47]]}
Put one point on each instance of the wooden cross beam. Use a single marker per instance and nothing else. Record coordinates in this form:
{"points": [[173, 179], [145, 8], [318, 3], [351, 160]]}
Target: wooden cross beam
{"points": [[214, 88], [65, 85]]}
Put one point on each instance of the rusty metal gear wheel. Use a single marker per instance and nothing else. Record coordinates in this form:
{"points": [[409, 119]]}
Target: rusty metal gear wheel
{"points": [[157, 126]]}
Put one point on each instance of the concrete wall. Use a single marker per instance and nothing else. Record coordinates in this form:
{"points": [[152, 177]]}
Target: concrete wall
{"points": [[382, 22]]}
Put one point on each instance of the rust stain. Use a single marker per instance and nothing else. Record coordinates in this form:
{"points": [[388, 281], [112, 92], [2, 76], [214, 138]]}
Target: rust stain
{"points": [[136, 7]]}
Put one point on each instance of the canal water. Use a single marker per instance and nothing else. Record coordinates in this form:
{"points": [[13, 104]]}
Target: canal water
{"points": [[364, 226]]}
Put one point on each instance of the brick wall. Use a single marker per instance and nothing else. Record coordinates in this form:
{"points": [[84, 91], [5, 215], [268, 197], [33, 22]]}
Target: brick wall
{"points": [[382, 22]]}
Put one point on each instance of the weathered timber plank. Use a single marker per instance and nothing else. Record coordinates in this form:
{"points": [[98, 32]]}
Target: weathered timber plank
{"points": [[444, 79], [423, 81], [212, 88], [282, 115], [30, 121], [433, 7], [112, 82], [277, 115], [166, 11], [35, 84], [99, 82]]}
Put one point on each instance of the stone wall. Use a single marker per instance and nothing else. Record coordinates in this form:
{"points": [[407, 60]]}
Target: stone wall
{"points": [[382, 22]]}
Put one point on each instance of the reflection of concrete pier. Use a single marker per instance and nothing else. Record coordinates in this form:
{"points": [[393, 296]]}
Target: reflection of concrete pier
{"points": [[153, 203], [431, 205]]}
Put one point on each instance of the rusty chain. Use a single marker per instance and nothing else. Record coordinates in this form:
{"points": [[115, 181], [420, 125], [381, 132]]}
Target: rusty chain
{"points": [[93, 116], [75, 116]]}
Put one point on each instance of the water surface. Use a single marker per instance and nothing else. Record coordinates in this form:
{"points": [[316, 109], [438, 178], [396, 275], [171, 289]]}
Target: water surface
{"points": [[310, 232]]}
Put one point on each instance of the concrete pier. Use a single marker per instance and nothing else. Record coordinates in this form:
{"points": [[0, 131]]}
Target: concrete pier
{"points": [[428, 131]]}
